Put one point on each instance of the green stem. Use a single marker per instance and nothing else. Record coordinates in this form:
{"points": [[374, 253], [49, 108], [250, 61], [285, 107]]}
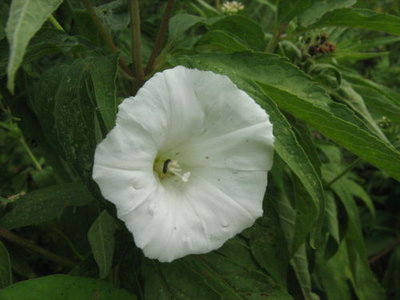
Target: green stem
{"points": [[55, 23], [273, 42], [218, 5], [162, 32], [31, 155], [346, 170], [12, 237], [384, 252], [70, 244], [136, 46], [106, 35]]}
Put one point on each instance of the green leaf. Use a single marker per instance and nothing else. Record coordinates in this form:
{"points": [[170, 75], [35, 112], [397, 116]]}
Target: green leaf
{"points": [[363, 280], [66, 103], [392, 274], [179, 23], [64, 287], [288, 9], [228, 273], [300, 266], [101, 239], [5, 267], [221, 41], [268, 244], [245, 29], [334, 273], [297, 94], [44, 205], [377, 97], [25, 19], [360, 18], [48, 41], [103, 73], [319, 8]]}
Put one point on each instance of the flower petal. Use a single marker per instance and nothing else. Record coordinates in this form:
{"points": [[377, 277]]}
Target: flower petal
{"points": [[196, 219], [209, 128]]}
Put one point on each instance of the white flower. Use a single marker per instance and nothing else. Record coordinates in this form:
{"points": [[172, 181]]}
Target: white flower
{"points": [[232, 7], [186, 164]]}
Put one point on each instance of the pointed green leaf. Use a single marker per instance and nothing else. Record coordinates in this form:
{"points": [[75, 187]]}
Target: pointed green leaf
{"points": [[228, 273], [104, 72], [101, 239], [44, 205], [360, 18], [25, 19], [319, 8], [5, 267], [64, 287], [71, 102]]}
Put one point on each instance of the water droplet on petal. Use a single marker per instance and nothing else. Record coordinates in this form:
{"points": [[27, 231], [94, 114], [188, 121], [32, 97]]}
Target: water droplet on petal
{"points": [[224, 224]]}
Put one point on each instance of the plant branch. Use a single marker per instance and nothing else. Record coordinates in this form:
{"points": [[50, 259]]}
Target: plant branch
{"points": [[30, 154], [385, 251], [273, 42], [12, 237], [136, 46], [162, 32], [106, 35], [55, 23], [341, 174]]}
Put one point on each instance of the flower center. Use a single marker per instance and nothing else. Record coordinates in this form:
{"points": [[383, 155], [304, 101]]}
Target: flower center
{"points": [[167, 168]]}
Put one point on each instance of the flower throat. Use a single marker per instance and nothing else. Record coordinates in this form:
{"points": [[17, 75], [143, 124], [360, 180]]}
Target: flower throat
{"points": [[168, 167]]}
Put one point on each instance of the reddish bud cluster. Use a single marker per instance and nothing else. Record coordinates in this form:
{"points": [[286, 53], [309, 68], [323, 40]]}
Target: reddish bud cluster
{"points": [[322, 46]]}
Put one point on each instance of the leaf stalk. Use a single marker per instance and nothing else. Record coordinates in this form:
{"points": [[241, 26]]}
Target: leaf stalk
{"points": [[162, 32], [136, 46], [12, 237]]}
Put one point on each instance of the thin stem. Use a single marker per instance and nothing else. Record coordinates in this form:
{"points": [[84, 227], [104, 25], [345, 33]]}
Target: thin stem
{"points": [[106, 35], [273, 42], [55, 23], [70, 244], [12, 237], [136, 46], [30, 154], [218, 4], [346, 170], [162, 32], [385, 251]]}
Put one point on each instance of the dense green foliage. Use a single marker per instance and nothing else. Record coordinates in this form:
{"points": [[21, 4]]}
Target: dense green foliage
{"points": [[327, 72]]}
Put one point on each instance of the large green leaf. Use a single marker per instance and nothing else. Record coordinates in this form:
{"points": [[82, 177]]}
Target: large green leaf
{"points": [[301, 268], [334, 273], [245, 29], [44, 205], [101, 239], [221, 41], [25, 19], [319, 8], [297, 94], [360, 18], [289, 9], [67, 102], [5, 267], [228, 273], [64, 287], [363, 280], [104, 72], [268, 244], [179, 23]]}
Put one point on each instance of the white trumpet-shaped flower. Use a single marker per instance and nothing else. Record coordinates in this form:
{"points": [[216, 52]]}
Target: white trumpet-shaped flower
{"points": [[186, 164]]}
